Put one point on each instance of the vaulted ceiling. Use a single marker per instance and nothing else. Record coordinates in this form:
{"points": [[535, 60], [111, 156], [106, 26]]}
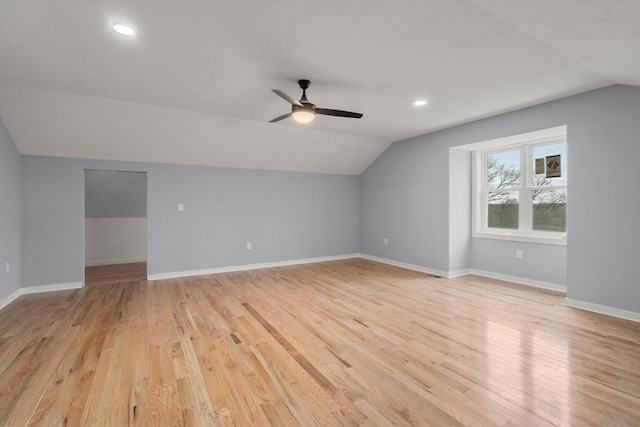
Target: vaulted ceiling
{"points": [[193, 85]]}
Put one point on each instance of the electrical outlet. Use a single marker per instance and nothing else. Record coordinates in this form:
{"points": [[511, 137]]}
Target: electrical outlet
{"points": [[7, 267], [385, 241], [519, 253], [249, 246], [180, 207]]}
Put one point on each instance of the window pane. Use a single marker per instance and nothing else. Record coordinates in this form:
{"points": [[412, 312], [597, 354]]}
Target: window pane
{"points": [[502, 209], [550, 210], [503, 170], [545, 157]]}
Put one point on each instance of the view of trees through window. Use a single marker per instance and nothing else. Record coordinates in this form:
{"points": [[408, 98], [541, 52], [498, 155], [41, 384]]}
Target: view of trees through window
{"points": [[505, 182]]}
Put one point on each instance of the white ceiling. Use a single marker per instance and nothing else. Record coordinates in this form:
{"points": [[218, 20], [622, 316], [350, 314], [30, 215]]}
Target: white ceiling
{"points": [[193, 86]]}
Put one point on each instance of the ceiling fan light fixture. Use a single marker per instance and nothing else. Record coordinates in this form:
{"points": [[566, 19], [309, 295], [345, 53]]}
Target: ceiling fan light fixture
{"points": [[302, 115]]}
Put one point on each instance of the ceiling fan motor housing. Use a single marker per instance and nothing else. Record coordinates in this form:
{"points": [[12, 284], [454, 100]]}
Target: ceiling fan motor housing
{"points": [[306, 106]]}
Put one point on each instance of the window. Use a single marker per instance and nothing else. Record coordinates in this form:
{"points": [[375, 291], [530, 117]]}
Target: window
{"points": [[520, 187]]}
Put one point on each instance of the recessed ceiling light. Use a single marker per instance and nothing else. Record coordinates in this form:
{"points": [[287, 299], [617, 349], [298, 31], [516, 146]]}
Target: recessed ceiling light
{"points": [[420, 102], [123, 29]]}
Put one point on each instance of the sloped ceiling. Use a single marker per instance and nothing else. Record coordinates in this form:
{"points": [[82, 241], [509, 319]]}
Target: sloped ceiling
{"points": [[193, 86]]}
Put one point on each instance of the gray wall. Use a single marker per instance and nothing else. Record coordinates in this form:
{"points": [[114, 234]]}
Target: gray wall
{"points": [[545, 263], [405, 197], [604, 198], [10, 187], [459, 210], [285, 215], [115, 194]]}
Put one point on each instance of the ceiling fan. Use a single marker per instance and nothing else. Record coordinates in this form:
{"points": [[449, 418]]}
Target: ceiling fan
{"points": [[303, 111]]}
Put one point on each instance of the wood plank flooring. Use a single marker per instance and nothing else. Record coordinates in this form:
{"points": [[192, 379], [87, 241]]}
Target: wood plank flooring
{"points": [[101, 274], [341, 343]]}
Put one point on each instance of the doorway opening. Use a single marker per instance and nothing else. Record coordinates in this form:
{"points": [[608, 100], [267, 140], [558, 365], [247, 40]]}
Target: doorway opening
{"points": [[115, 236]]}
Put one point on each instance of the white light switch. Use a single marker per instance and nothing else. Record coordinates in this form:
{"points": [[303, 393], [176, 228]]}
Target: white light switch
{"points": [[519, 253], [249, 246], [180, 207], [7, 267], [385, 241]]}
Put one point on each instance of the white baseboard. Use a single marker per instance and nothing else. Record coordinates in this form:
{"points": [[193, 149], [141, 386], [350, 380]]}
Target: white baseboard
{"points": [[50, 288], [114, 261], [520, 280], [583, 305], [37, 289], [244, 267], [603, 309], [458, 273], [414, 267], [596, 308], [10, 298]]}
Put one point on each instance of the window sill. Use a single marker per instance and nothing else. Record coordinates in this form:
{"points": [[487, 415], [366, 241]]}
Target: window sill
{"points": [[545, 240]]}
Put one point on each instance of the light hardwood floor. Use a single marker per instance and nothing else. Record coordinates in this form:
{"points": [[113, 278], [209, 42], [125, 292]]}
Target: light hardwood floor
{"points": [[340, 343], [101, 274]]}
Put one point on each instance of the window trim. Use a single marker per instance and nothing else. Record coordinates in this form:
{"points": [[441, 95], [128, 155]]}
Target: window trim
{"points": [[525, 143]]}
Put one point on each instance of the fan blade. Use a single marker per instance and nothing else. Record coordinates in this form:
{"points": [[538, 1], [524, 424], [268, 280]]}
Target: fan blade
{"points": [[286, 97], [338, 113], [282, 117]]}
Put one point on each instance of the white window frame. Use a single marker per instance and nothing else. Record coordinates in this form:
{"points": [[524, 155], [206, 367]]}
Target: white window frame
{"points": [[525, 143]]}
